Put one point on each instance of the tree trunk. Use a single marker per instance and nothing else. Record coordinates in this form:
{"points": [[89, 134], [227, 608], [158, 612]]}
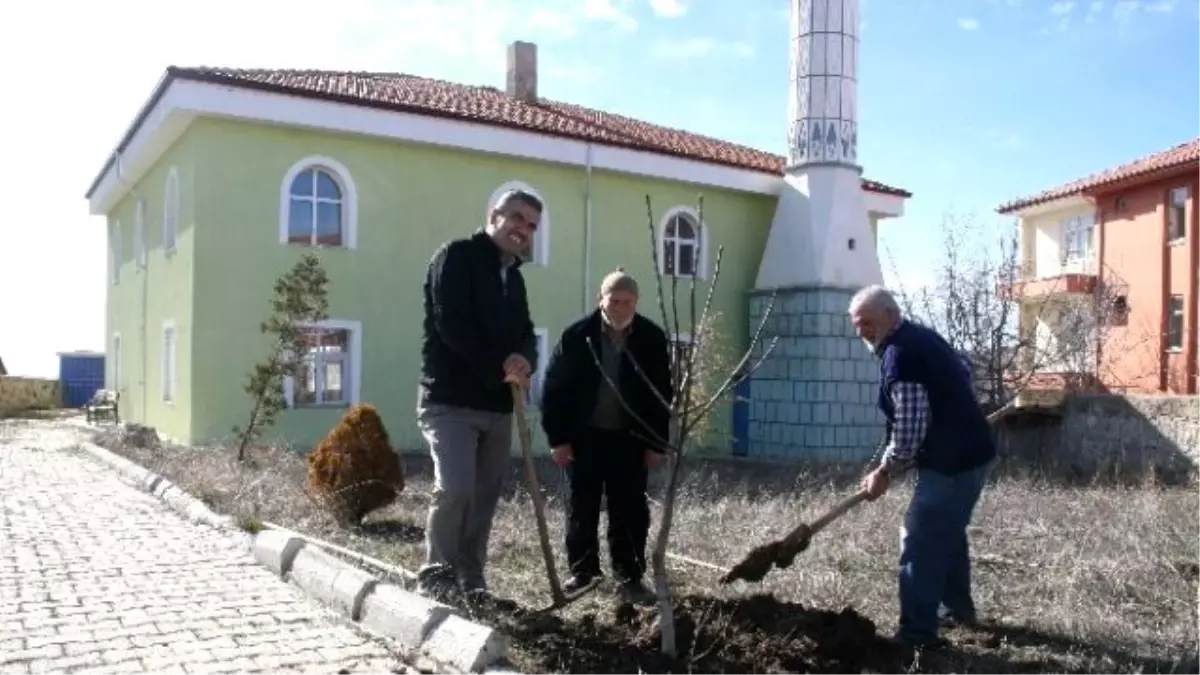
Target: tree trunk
{"points": [[658, 559]]}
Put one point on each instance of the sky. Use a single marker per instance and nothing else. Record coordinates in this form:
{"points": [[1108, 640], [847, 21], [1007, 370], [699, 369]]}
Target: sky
{"points": [[965, 103]]}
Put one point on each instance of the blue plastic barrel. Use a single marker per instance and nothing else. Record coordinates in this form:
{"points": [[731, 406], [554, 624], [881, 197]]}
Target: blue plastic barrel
{"points": [[81, 374]]}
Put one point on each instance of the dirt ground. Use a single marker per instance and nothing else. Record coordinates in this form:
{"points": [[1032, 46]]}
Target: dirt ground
{"points": [[1080, 577]]}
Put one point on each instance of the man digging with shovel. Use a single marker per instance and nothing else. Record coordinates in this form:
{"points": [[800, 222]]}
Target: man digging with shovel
{"points": [[604, 446], [935, 425]]}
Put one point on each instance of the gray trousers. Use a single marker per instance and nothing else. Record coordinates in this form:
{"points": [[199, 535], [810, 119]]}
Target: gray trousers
{"points": [[470, 451]]}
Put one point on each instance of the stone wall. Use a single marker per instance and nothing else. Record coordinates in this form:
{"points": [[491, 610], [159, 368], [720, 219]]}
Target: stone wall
{"points": [[814, 398], [1130, 433], [28, 393]]}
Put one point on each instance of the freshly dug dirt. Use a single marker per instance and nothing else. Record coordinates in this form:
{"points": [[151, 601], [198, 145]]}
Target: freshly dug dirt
{"points": [[354, 470], [756, 634]]}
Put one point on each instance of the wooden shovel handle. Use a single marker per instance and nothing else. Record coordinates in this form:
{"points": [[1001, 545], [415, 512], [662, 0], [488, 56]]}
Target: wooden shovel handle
{"points": [[839, 509], [525, 435]]}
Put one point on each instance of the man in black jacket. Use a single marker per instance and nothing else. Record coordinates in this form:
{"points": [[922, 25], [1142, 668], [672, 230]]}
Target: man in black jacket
{"points": [[478, 335], [607, 440]]}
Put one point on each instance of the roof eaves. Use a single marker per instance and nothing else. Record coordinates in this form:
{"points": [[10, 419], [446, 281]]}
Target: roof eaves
{"points": [[159, 90]]}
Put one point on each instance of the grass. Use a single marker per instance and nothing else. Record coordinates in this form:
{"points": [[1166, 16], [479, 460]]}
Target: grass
{"points": [[1070, 578]]}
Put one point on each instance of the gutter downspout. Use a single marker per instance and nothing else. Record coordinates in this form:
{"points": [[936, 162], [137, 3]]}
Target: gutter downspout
{"points": [[587, 233]]}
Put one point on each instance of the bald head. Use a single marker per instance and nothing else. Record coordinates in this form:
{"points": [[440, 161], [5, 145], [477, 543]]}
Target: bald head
{"points": [[874, 313]]}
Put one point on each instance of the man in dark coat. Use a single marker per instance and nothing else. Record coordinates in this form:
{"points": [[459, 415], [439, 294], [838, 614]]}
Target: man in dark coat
{"points": [[607, 439], [478, 333], [936, 426]]}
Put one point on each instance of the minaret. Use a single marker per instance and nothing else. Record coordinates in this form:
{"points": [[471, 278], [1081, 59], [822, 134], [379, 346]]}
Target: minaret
{"points": [[820, 233], [814, 398]]}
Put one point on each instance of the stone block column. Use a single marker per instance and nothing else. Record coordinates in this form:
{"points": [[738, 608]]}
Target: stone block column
{"points": [[814, 398]]}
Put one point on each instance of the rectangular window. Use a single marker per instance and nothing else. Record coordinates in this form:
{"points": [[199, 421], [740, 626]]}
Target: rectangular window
{"points": [[1077, 238], [116, 252], [115, 385], [330, 366], [168, 362], [534, 394], [1177, 214], [139, 234], [170, 211], [1175, 322], [681, 351]]}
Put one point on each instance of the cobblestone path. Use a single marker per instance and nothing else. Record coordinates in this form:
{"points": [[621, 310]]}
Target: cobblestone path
{"points": [[96, 576]]}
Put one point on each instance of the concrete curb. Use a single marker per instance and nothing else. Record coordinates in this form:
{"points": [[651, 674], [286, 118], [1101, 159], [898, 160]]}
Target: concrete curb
{"points": [[418, 624], [147, 481]]}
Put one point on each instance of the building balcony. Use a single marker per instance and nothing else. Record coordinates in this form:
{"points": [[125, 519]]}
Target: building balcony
{"points": [[1040, 280]]}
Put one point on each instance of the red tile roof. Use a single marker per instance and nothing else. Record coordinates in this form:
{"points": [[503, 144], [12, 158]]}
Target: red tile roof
{"points": [[1149, 167], [488, 105]]}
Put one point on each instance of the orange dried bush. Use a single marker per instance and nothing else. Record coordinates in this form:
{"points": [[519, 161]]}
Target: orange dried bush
{"points": [[354, 470]]}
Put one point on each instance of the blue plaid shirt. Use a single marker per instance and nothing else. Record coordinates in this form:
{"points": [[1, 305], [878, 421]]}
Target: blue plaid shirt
{"points": [[908, 430]]}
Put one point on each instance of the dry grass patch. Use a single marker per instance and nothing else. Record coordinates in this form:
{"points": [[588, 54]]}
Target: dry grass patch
{"points": [[1083, 578]]}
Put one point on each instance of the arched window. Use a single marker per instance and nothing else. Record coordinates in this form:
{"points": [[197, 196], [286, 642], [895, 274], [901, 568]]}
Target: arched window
{"points": [[681, 244], [318, 204], [538, 252]]}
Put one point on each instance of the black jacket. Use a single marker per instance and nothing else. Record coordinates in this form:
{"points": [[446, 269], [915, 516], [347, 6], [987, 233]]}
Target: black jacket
{"points": [[573, 377], [473, 321]]}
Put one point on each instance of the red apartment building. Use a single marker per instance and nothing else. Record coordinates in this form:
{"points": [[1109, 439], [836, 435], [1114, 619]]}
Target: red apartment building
{"points": [[1125, 243]]}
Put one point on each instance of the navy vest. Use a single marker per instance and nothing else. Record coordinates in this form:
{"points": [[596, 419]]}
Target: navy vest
{"points": [[958, 437]]}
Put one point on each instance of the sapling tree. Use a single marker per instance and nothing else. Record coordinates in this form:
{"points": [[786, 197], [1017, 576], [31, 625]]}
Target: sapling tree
{"points": [[300, 296], [698, 385]]}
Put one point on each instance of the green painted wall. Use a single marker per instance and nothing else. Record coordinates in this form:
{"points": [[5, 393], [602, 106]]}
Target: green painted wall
{"points": [[411, 198], [144, 297]]}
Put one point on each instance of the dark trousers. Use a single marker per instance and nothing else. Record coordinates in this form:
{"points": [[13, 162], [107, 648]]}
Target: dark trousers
{"points": [[612, 465], [935, 562]]}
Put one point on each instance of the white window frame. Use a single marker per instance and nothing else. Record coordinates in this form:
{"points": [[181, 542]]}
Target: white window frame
{"points": [[168, 376], [1182, 207], [139, 234], [171, 211], [116, 362], [533, 395], [681, 338], [541, 237], [1172, 314], [1080, 227], [345, 181], [116, 251], [701, 241], [353, 369]]}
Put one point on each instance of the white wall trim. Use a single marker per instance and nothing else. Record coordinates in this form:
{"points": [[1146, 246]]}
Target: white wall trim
{"points": [[184, 100], [541, 238], [660, 233], [1060, 204], [349, 197], [356, 359], [171, 211], [543, 362], [167, 387], [882, 205]]}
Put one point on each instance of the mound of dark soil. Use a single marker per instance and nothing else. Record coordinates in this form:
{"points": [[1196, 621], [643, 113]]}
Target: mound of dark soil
{"points": [[756, 634]]}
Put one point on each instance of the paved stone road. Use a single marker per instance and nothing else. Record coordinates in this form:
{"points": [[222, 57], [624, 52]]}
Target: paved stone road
{"points": [[96, 576]]}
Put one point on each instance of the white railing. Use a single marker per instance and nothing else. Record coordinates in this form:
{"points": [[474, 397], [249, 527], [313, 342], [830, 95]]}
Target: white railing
{"points": [[1042, 269]]}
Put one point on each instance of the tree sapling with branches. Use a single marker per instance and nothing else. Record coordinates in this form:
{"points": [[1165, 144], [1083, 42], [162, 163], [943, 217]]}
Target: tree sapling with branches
{"points": [[691, 400], [300, 296]]}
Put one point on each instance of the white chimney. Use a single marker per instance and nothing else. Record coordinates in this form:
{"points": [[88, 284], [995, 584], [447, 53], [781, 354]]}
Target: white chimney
{"points": [[821, 235], [522, 71]]}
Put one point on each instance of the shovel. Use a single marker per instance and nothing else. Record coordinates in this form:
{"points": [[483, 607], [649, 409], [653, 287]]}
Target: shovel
{"points": [[781, 553], [559, 598]]}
